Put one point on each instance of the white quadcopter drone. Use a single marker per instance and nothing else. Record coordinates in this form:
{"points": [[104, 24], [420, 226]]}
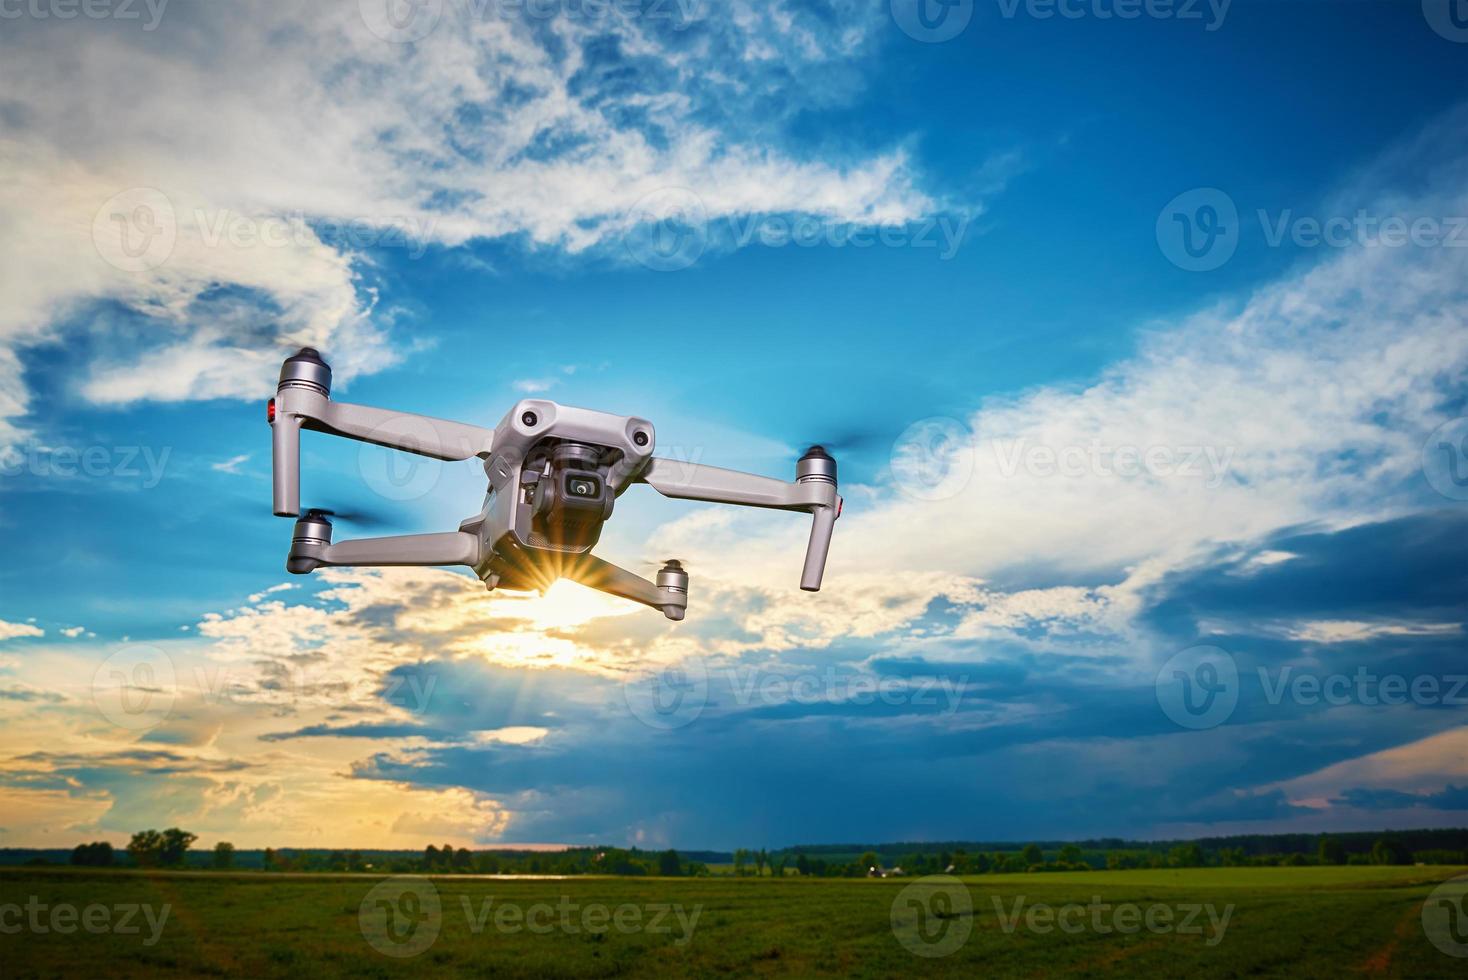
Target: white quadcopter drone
{"points": [[554, 472]]}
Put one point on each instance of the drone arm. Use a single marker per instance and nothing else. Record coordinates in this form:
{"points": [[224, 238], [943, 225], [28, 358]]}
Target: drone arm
{"points": [[301, 408], [603, 576], [818, 496], [420, 434], [309, 551], [690, 481]]}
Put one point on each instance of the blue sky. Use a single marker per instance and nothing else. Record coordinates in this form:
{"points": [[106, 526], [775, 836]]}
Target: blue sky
{"points": [[998, 626]]}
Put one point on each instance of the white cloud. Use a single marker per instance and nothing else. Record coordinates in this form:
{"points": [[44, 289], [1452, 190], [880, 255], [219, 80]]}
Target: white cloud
{"points": [[254, 123], [1351, 631], [282, 587], [11, 631], [231, 465], [1317, 390]]}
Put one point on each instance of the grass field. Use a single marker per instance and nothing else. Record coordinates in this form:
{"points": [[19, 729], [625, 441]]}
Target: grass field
{"points": [[1297, 922]]}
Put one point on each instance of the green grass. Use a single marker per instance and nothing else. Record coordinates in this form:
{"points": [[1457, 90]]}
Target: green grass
{"points": [[1297, 922]]}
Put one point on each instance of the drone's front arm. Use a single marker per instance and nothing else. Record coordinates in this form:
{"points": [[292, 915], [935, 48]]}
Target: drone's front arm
{"points": [[303, 401], [814, 491]]}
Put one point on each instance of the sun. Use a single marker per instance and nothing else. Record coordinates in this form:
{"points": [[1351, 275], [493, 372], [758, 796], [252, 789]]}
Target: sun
{"points": [[568, 603], [565, 606]]}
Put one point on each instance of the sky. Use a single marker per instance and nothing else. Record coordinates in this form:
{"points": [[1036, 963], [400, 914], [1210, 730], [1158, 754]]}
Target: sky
{"points": [[1138, 330]]}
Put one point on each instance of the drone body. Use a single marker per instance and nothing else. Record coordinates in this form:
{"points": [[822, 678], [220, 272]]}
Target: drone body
{"points": [[554, 472]]}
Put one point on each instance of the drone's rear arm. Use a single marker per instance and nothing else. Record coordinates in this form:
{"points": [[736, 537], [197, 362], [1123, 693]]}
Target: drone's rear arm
{"points": [[814, 491], [669, 594], [312, 548]]}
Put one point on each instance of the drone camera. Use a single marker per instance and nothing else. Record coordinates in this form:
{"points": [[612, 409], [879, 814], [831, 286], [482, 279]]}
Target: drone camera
{"points": [[571, 499]]}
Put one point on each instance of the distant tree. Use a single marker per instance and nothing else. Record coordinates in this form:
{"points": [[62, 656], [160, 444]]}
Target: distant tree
{"points": [[269, 859], [1070, 854], [146, 848], [868, 861], [1189, 855], [761, 861], [223, 855], [1389, 850], [980, 863], [95, 855], [777, 868], [430, 858], [802, 865], [176, 843], [668, 865], [354, 861], [1331, 851], [1032, 855], [463, 859]]}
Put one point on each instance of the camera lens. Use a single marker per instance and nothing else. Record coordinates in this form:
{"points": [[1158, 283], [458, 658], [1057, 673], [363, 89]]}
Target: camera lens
{"points": [[530, 418], [640, 438]]}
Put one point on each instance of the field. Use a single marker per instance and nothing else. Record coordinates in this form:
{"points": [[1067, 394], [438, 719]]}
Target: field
{"points": [[1298, 922]]}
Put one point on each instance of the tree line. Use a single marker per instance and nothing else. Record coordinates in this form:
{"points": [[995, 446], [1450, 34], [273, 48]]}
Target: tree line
{"points": [[169, 849]]}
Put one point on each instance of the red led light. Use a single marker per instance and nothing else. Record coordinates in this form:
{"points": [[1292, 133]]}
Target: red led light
{"points": [[270, 412]]}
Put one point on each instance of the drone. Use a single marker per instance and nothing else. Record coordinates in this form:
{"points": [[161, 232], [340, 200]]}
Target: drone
{"points": [[554, 473]]}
